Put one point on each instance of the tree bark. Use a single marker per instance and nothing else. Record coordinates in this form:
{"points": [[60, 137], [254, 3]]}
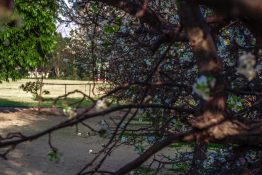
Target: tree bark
{"points": [[213, 110]]}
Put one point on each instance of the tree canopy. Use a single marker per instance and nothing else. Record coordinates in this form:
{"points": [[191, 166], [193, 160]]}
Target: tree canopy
{"points": [[26, 43]]}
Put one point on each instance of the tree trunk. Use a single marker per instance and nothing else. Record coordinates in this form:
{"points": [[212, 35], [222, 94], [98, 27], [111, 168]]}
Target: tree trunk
{"points": [[212, 110]]}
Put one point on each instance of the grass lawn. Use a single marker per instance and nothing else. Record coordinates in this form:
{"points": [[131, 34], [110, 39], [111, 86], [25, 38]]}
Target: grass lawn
{"points": [[13, 96]]}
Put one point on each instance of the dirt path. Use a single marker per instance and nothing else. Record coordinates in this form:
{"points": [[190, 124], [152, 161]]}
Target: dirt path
{"points": [[31, 158]]}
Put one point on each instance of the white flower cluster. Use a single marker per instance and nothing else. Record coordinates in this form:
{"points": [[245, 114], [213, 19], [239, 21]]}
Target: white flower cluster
{"points": [[69, 112], [203, 86], [90, 151], [247, 66], [124, 139], [101, 104]]}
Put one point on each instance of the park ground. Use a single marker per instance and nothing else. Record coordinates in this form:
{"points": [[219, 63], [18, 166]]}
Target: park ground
{"points": [[19, 113], [32, 158]]}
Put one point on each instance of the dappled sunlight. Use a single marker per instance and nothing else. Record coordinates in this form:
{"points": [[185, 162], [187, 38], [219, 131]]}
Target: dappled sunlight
{"points": [[23, 119], [227, 129], [13, 120], [12, 172], [32, 157], [15, 166]]}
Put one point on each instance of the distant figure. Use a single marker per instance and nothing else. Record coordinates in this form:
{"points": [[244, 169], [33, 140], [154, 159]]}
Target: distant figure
{"points": [[104, 128]]}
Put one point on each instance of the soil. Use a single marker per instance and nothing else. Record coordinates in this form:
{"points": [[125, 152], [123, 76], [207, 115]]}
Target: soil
{"points": [[31, 158]]}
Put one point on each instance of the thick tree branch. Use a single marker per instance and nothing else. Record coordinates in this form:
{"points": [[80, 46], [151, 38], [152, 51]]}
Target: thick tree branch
{"points": [[238, 8], [171, 32], [149, 16], [204, 50], [148, 153]]}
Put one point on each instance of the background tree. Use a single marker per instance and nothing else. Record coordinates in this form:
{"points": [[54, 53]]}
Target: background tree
{"points": [[25, 46], [58, 57]]}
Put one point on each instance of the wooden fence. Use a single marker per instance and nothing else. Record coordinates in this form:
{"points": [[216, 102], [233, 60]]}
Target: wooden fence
{"points": [[88, 86]]}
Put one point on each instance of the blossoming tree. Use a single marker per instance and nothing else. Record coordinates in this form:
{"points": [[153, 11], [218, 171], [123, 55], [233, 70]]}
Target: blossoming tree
{"points": [[191, 69]]}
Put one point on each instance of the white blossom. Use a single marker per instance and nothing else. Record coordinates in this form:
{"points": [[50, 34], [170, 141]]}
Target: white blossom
{"points": [[203, 86], [101, 104], [69, 112], [247, 66]]}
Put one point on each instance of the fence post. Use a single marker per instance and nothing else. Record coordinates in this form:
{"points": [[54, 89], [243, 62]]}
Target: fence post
{"points": [[40, 93], [65, 91], [90, 86]]}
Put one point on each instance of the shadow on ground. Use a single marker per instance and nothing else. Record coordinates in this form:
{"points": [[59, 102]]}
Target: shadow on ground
{"points": [[31, 158], [48, 102]]}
